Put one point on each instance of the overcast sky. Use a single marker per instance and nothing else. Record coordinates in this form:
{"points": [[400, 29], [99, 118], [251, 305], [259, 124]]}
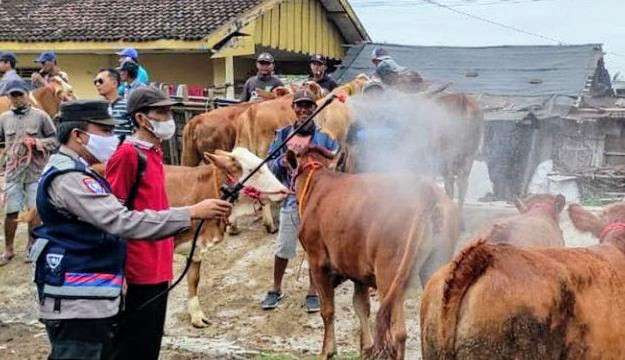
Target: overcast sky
{"points": [[415, 22]]}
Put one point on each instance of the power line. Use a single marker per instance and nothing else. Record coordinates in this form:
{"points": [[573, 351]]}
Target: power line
{"points": [[404, 3], [509, 27]]}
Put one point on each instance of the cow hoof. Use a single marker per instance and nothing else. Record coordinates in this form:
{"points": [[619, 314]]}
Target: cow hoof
{"points": [[233, 230], [198, 319], [271, 229], [199, 324]]}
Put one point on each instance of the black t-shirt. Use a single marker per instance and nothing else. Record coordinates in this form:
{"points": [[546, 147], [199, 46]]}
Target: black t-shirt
{"points": [[257, 82], [326, 82]]}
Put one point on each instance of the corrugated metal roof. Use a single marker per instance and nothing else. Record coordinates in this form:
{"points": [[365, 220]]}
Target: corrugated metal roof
{"points": [[500, 70]]}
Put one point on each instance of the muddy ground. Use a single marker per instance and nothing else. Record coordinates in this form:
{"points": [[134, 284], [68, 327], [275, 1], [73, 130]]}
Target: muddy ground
{"points": [[235, 278]]}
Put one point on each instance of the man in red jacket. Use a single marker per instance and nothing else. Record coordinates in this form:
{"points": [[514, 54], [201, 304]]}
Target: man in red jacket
{"points": [[137, 177]]}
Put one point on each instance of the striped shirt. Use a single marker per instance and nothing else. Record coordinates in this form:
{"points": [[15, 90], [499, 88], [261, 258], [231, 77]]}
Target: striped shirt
{"points": [[123, 123]]}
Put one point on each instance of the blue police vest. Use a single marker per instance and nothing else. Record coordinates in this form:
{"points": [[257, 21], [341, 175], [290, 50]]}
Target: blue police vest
{"points": [[74, 259]]}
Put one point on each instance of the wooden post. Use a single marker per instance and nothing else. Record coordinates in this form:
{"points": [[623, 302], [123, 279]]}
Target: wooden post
{"points": [[229, 77]]}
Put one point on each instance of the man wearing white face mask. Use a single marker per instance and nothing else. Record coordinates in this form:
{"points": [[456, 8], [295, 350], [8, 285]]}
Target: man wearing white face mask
{"points": [[137, 177], [80, 248]]}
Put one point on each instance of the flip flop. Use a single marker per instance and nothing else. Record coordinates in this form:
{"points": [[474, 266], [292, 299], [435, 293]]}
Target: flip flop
{"points": [[6, 259]]}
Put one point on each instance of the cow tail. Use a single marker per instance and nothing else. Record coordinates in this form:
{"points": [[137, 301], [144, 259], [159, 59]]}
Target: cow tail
{"points": [[189, 156], [466, 268], [383, 336]]}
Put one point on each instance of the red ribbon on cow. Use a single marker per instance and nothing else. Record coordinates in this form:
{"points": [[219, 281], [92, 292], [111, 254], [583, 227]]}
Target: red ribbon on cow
{"points": [[611, 227], [252, 193]]}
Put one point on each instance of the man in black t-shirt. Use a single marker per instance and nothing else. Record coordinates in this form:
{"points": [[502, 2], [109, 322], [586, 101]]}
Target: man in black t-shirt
{"points": [[318, 68], [264, 79]]}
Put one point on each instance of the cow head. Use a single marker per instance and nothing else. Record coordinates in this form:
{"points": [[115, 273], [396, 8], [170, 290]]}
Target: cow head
{"points": [[239, 163], [313, 154], [314, 88], [62, 90], [608, 226], [553, 204]]}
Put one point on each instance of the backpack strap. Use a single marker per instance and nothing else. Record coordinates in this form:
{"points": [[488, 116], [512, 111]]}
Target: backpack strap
{"points": [[132, 194]]}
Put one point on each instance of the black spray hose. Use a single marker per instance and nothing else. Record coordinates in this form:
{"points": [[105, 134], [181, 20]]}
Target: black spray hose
{"points": [[231, 194]]}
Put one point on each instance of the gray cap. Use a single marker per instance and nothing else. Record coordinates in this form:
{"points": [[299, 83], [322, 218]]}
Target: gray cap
{"points": [[93, 111], [265, 57], [17, 85], [145, 97]]}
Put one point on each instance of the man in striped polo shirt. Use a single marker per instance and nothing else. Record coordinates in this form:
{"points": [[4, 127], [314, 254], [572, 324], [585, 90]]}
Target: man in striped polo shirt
{"points": [[106, 82]]}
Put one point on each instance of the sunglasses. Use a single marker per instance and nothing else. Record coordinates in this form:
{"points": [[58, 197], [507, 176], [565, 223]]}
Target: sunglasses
{"points": [[16, 94], [98, 82], [264, 62]]}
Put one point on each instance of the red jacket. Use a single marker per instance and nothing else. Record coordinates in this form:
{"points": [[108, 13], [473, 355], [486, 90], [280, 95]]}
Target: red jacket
{"points": [[148, 261]]}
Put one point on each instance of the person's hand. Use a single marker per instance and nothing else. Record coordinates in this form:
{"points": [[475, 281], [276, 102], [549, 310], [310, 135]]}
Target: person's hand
{"points": [[211, 209]]}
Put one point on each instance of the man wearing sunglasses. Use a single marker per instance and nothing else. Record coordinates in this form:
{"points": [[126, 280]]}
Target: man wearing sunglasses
{"points": [[107, 82], [264, 79], [29, 137], [303, 105]]}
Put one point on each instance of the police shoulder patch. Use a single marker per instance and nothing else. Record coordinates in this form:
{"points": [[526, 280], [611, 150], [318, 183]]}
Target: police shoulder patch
{"points": [[93, 186]]}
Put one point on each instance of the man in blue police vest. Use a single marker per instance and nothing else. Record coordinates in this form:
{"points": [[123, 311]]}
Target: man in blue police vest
{"points": [[79, 252]]}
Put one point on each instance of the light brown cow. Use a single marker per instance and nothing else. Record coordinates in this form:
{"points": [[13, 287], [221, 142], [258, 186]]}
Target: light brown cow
{"points": [[537, 225], [47, 98], [189, 185], [498, 301], [371, 229]]}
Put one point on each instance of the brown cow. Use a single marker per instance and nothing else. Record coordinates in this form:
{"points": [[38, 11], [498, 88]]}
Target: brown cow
{"points": [[47, 98], [537, 225], [189, 185], [456, 144], [216, 129], [371, 229], [497, 301], [210, 131]]}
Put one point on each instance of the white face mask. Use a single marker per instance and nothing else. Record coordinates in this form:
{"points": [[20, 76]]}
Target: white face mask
{"points": [[163, 130], [102, 147]]}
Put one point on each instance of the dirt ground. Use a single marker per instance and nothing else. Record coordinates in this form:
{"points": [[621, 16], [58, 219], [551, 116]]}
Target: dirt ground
{"points": [[234, 280]]}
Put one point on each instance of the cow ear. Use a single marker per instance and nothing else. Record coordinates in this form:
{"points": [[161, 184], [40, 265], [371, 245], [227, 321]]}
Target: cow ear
{"points": [[219, 160], [280, 91], [560, 203], [291, 159], [584, 220], [519, 205]]}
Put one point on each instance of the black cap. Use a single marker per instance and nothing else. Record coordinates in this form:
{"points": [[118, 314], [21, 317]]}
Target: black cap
{"points": [[303, 95], [318, 58], [93, 111], [17, 85], [265, 57], [129, 66], [147, 97], [8, 56]]}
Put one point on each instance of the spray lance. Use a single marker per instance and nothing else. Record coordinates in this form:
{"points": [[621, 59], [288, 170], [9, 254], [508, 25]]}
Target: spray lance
{"points": [[230, 193]]}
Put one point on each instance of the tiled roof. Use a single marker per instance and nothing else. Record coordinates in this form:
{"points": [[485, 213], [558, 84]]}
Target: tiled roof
{"points": [[113, 20]]}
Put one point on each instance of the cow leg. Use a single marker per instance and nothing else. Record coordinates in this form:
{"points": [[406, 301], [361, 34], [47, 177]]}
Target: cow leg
{"points": [[326, 295], [398, 329], [448, 177], [268, 221], [362, 306], [198, 319], [463, 183]]}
